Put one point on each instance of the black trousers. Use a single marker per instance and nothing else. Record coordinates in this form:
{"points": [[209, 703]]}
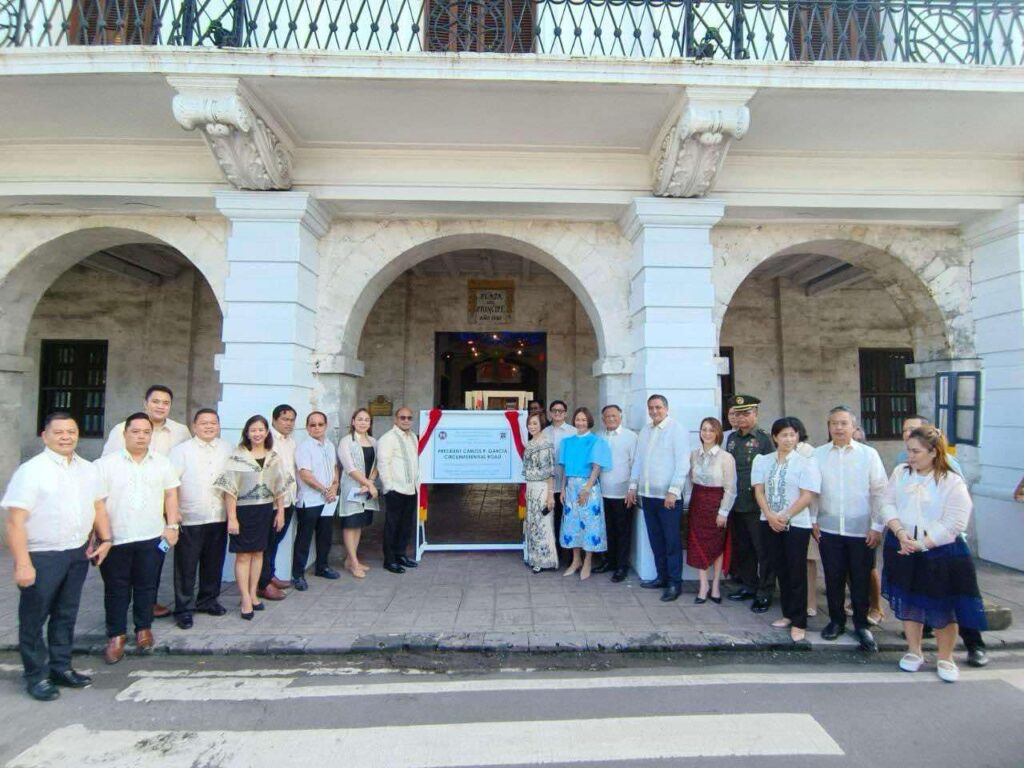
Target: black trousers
{"points": [[847, 559], [788, 553], [618, 520], [270, 553], [54, 596], [308, 524], [399, 520], [130, 574], [201, 547], [666, 539], [750, 563], [557, 520]]}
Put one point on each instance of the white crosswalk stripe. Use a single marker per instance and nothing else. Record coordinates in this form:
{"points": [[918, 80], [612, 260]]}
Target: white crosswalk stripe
{"points": [[436, 746]]}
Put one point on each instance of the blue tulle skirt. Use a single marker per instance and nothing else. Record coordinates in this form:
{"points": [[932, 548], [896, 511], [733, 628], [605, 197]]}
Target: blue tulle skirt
{"points": [[936, 587]]}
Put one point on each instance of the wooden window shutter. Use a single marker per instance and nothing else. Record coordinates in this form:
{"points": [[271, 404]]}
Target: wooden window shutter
{"points": [[835, 30], [125, 22], [478, 26]]}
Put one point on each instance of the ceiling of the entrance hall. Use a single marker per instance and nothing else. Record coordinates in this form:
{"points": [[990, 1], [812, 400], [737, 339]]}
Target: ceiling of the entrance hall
{"points": [[479, 262]]}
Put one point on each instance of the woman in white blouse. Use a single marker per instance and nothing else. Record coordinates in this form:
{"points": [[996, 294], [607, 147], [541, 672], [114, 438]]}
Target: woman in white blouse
{"points": [[712, 485], [785, 485], [929, 576], [357, 452]]}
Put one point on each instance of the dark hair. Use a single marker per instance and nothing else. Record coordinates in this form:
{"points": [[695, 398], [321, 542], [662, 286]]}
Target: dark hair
{"points": [[316, 413], [538, 402], [611, 405], [715, 425], [282, 408], [786, 422], [539, 419], [57, 416], [663, 399], [159, 388], [586, 412], [137, 416], [352, 429], [562, 403], [936, 441], [246, 442], [204, 411], [801, 430]]}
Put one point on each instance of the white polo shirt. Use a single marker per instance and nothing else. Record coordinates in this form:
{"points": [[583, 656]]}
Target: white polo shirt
{"points": [[60, 498], [134, 492], [198, 463]]}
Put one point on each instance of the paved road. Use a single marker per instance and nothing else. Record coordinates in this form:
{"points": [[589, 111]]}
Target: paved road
{"points": [[234, 712]]}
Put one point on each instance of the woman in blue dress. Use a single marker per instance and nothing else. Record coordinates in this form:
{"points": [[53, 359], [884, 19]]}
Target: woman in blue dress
{"points": [[583, 456]]}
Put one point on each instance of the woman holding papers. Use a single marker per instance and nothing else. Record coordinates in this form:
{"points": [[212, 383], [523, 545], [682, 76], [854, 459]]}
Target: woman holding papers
{"points": [[357, 452]]}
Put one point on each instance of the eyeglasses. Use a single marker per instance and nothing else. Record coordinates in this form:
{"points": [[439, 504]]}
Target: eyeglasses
{"points": [[405, 418], [558, 410]]}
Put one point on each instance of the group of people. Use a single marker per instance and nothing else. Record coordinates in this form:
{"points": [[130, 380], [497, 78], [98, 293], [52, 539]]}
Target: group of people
{"points": [[160, 485], [759, 506], [774, 506]]}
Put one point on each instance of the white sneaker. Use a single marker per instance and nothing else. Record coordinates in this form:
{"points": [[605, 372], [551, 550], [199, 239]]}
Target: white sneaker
{"points": [[911, 662], [947, 671]]}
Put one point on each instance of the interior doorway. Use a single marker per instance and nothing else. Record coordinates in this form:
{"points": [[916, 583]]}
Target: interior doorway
{"points": [[493, 370]]}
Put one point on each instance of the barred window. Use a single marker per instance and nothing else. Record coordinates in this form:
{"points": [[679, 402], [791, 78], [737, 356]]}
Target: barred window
{"points": [[887, 396], [73, 378]]}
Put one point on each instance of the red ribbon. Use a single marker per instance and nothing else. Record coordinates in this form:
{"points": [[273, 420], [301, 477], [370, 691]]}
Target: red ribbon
{"points": [[432, 419], [517, 437]]}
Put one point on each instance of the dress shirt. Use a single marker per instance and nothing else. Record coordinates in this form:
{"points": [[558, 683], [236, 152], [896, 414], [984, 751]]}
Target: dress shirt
{"points": [[662, 460], [60, 498], [319, 457], [926, 507], [784, 481], [198, 464], [853, 483], [615, 481], [398, 461], [134, 491], [714, 469], [555, 436], [285, 448], [165, 437]]}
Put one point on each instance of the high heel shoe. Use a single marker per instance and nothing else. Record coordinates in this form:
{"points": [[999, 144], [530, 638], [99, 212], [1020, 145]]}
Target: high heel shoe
{"points": [[259, 607], [715, 600], [700, 600], [248, 616]]}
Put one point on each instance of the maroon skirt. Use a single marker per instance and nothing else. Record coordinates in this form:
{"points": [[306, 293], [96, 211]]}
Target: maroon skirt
{"points": [[706, 541]]}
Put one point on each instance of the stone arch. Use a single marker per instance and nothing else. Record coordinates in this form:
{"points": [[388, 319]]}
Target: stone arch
{"points": [[359, 270], [924, 271]]}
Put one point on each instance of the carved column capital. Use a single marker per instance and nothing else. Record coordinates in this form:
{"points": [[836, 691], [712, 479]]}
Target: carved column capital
{"points": [[695, 141], [252, 151]]}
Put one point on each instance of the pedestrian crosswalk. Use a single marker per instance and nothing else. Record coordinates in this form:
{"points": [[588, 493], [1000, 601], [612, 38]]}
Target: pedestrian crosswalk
{"points": [[484, 736]]}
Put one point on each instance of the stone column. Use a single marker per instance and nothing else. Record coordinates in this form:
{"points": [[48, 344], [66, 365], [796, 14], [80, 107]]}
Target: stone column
{"points": [[671, 300], [613, 376], [270, 298], [997, 289], [12, 375]]}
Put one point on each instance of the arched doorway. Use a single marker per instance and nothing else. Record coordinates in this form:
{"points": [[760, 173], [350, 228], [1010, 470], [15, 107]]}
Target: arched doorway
{"points": [[427, 341], [826, 322], [97, 315]]}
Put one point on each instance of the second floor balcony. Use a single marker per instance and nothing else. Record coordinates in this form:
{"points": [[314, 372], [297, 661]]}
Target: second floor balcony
{"points": [[983, 32]]}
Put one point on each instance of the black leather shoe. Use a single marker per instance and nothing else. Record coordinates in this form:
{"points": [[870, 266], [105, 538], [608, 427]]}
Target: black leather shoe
{"points": [[68, 678], [408, 562], [604, 567], [761, 605], [741, 594], [700, 600], [619, 576], [44, 690], [654, 584], [832, 631], [866, 639], [216, 610], [328, 573], [300, 584], [184, 621], [977, 658], [394, 568], [672, 592], [715, 600]]}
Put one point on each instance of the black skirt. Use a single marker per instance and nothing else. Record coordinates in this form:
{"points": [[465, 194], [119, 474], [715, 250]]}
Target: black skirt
{"points": [[362, 519], [937, 587], [254, 524]]}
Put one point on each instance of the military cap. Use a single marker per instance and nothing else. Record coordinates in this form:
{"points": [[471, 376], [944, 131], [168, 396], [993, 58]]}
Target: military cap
{"points": [[743, 402]]}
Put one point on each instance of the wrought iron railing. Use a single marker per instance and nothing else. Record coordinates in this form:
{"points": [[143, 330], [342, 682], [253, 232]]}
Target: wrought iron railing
{"points": [[933, 31]]}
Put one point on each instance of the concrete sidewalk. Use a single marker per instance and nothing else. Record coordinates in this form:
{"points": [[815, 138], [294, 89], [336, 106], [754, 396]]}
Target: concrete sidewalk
{"points": [[481, 601]]}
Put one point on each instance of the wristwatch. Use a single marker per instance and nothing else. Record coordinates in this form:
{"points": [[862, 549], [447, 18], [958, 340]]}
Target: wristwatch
{"points": [[173, 527]]}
